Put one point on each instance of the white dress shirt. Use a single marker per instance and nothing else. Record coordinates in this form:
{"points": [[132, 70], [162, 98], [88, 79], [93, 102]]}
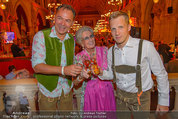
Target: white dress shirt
{"points": [[150, 61]]}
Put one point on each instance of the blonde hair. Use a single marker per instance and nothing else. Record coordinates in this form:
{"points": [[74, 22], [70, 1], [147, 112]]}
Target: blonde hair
{"points": [[118, 14]]}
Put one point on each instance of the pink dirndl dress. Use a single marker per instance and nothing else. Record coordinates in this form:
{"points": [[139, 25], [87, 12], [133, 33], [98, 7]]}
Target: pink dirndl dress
{"points": [[99, 94]]}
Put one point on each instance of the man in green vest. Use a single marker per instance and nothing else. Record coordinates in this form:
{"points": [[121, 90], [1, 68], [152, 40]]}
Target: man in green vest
{"points": [[52, 61]]}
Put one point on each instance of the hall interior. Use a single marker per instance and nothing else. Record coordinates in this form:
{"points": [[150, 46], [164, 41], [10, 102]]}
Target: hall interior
{"points": [[153, 20]]}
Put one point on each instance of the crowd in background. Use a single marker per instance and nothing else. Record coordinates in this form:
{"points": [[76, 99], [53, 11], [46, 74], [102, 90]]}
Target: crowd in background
{"points": [[169, 55]]}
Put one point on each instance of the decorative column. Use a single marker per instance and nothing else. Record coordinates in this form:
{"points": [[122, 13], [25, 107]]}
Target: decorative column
{"points": [[145, 31]]}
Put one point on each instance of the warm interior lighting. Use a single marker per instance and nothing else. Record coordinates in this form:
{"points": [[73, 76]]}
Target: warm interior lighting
{"points": [[54, 5], [106, 14], [52, 8], [4, 0], [132, 21], [101, 26], [114, 2], [2, 6], [155, 1], [76, 26]]}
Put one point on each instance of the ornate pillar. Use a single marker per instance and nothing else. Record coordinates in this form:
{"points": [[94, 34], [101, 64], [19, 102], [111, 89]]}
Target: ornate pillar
{"points": [[145, 31]]}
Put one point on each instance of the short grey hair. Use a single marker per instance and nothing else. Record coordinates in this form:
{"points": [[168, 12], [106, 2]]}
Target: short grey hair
{"points": [[78, 34]]}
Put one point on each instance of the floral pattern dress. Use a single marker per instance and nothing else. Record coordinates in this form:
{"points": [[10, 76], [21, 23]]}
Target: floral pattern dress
{"points": [[96, 94]]}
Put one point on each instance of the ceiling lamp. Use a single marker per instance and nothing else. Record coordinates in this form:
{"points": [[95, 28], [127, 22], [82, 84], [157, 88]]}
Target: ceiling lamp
{"points": [[52, 9], [4, 1], [106, 14], [54, 5], [101, 26], [2, 5], [76, 26], [155, 1], [115, 2]]}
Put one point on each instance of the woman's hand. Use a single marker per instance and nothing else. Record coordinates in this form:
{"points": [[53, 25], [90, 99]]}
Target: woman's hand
{"points": [[84, 74], [97, 71], [101, 71]]}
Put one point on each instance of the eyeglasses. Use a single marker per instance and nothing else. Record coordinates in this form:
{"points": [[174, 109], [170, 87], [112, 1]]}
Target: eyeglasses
{"points": [[87, 38]]}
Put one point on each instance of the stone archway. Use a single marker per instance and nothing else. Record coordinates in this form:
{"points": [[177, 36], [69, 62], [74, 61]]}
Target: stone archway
{"points": [[27, 12], [22, 24], [145, 18], [22, 19]]}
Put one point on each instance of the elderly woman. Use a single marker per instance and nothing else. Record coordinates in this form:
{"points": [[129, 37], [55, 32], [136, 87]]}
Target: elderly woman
{"points": [[94, 94]]}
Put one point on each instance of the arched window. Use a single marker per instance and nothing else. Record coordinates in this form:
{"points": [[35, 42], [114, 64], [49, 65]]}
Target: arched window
{"points": [[22, 19]]}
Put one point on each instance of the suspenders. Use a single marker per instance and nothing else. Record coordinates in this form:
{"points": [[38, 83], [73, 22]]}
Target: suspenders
{"points": [[126, 69]]}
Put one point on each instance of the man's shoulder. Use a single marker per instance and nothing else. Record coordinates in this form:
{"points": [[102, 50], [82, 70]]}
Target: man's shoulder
{"points": [[46, 29], [147, 43], [110, 49], [70, 35], [144, 40], [39, 33]]}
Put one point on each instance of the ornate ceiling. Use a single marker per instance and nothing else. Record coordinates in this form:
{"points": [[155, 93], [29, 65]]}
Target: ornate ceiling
{"points": [[88, 11], [88, 7]]}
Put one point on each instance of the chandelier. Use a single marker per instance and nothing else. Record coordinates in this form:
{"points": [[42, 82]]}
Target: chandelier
{"points": [[155, 1], [101, 25], [52, 9], [2, 5], [115, 2], [107, 14], [75, 27]]}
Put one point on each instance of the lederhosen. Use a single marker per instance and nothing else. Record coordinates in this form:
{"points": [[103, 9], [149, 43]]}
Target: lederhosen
{"points": [[126, 69]]}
